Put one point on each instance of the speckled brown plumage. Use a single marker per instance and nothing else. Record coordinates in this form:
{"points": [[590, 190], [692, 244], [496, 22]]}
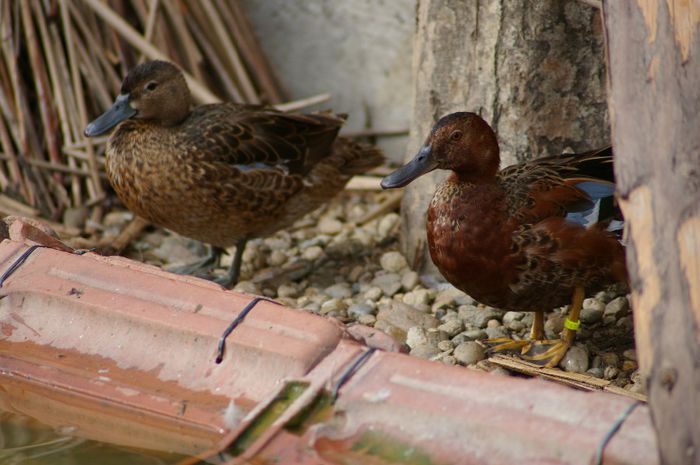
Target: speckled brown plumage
{"points": [[524, 238], [221, 173]]}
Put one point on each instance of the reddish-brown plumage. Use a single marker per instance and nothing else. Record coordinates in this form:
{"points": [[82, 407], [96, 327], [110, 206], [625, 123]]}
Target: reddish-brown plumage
{"points": [[504, 237]]}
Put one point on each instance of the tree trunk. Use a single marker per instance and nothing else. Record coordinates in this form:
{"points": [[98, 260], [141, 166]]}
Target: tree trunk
{"points": [[534, 70], [655, 100]]}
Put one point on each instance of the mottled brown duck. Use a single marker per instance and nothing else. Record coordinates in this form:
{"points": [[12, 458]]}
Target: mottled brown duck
{"points": [[220, 173], [531, 237]]}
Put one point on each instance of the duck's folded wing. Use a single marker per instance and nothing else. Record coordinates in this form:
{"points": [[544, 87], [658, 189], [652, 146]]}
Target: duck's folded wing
{"points": [[251, 137], [579, 187]]}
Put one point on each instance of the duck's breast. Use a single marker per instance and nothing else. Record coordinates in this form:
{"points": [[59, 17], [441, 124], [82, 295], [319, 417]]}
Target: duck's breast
{"points": [[469, 239]]}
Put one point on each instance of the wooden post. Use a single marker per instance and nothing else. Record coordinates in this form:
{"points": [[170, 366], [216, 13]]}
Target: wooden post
{"points": [[654, 59], [535, 70]]}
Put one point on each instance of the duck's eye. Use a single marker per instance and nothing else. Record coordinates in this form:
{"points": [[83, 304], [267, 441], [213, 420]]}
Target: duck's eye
{"points": [[151, 85], [456, 135]]}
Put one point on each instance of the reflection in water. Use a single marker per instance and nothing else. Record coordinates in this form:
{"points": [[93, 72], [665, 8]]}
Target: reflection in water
{"points": [[25, 441]]}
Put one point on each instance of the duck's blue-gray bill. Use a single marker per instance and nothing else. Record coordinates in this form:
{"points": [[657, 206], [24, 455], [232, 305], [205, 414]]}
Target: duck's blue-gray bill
{"points": [[421, 164], [118, 112]]}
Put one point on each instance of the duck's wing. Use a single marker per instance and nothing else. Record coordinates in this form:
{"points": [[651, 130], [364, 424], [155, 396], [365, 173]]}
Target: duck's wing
{"points": [[579, 187], [255, 137]]}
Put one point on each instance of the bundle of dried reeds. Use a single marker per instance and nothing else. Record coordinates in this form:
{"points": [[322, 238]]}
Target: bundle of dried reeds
{"points": [[61, 65]]}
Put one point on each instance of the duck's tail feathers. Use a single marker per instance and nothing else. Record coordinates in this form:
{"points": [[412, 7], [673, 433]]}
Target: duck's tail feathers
{"points": [[357, 157]]}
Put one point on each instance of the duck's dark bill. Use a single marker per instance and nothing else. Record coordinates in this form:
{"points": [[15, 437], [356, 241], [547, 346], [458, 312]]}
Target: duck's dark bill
{"points": [[119, 111], [421, 164]]}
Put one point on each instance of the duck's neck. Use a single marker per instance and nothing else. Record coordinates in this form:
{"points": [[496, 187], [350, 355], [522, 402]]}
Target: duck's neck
{"points": [[467, 177]]}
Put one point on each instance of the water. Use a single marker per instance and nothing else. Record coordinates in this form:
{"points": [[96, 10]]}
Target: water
{"points": [[25, 441]]}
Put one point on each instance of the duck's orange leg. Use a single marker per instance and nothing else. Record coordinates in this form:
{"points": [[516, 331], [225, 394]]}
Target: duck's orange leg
{"points": [[501, 344], [550, 353], [537, 330]]}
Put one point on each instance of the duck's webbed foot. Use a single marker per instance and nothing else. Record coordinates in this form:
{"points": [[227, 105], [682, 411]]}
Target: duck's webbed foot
{"points": [[506, 344], [547, 353], [234, 272], [201, 268]]}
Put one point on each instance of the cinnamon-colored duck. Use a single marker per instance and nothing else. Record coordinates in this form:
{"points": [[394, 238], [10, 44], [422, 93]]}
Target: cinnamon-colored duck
{"points": [[220, 173], [527, 238]]}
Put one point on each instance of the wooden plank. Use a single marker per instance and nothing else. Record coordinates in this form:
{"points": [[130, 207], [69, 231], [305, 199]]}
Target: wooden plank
{"points": [[654, 71], [577, 380]]}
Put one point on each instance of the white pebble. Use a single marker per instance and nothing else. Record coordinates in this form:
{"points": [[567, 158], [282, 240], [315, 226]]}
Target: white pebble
{"points": [[312, 253], [393, 262]]}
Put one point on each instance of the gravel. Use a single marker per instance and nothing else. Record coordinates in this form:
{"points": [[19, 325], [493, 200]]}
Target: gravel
{"points": [[468, 353], [328, 264]]}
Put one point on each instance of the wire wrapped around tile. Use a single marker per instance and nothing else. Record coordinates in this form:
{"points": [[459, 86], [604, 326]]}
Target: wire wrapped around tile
{"points": [[354, 366], [236, 321], [17, 263], [614, 429]]}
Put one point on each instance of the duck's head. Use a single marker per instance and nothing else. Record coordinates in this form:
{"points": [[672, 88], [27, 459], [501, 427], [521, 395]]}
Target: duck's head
{"points": [[462, 142], [154, 90]]}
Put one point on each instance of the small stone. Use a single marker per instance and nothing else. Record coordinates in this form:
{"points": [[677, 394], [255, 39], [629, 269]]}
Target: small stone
{"points": [[445, 346], [475, 334], [629, 366], [625, 323], [389, 283], [451, 327], [373, 293], [404, 316], [554, 325], [313, 307], [499, 371], [387, 224], [417, 297], [393, 262], [450, 315], [592, 311], [451, 296], [630, 354], [510, 317], [391, 330], [610, 372], [618, 307], [517, 326], [287, 290], [494, 333], [355, 273], [178, 250], [469, 352], [596, 371], [597, 362], [409, 280], [493, 324], [416, 336], [339, 291], [329, 225], [332, 305], [636, 388], [312, 253], [575, 360], [367, 319], [609, 359], [276, 258], [478, 316], [246, 286], [424, 351], [435, 336], [359, 310], [449, 360]]}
